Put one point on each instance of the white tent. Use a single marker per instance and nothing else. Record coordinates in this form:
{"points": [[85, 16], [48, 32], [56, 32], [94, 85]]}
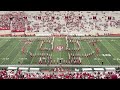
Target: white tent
{"points": [[34, 69], [12, 68], [99, 69], [87, 69], [110, 69], [25, 69]]}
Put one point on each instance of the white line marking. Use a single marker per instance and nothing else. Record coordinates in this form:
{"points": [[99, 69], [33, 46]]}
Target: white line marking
{"points": [[29, 49], [11, 51], [105, 57], [113, 47], [35, 52], [84, 52], [16, 56], [92, 50], [5, 49], [108, 50]]}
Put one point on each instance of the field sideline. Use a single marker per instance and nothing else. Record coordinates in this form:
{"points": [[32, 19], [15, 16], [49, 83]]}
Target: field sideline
{"points": [[11, 54]]}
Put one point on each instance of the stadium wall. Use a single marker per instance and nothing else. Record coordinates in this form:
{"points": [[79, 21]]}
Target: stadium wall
{"points": [[5, 32], [30, 33], [18, 33], [40, 34]]}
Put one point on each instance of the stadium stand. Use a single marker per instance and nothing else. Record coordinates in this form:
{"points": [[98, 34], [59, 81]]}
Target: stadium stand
{"points": [[58, 73], [60, 22]]}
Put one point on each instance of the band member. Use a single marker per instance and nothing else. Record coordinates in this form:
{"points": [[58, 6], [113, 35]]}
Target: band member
{"points": [[97, 50], [102, 62], [93, 43], [23, 50], [40, 62], [31, 54]]}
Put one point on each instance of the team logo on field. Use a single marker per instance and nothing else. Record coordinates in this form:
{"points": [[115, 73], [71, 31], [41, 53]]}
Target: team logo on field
{"points": [[59, 48]]}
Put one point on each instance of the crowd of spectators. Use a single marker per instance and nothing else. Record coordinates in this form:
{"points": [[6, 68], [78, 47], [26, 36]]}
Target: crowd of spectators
{"points": [[59, 21], [58, 73]]}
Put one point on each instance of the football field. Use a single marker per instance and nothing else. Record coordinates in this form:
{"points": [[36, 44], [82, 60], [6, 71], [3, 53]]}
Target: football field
{"points": [[29, 51]]}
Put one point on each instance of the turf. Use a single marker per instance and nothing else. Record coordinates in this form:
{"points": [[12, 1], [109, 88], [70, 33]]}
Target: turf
{"points": [[11, 54]]}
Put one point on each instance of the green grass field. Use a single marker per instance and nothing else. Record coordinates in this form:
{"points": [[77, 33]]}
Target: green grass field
{"points": [[11, 51]]}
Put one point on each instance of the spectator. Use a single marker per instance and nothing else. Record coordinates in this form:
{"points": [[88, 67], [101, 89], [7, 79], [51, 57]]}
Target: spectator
{"points": [[70, 22]]}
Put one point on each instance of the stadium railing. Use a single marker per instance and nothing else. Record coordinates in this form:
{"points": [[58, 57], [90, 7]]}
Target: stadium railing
{"points": [[60, 66]]}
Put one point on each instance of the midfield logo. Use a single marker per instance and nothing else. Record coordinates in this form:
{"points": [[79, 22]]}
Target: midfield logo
{"points": [[59, 48]]}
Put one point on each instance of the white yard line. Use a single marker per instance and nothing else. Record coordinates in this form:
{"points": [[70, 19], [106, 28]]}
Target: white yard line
{"points": [[12, 51], [113, 48], [3, 43], [41, 44], [67, 47], [66, 43], [78, 43], [16, 56], [5, 49], [52, 48], [35, 52], [108, 50], [117, 43], [29, 49], [92, 50], [84, 51], [104, 57], [52, 42]]}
